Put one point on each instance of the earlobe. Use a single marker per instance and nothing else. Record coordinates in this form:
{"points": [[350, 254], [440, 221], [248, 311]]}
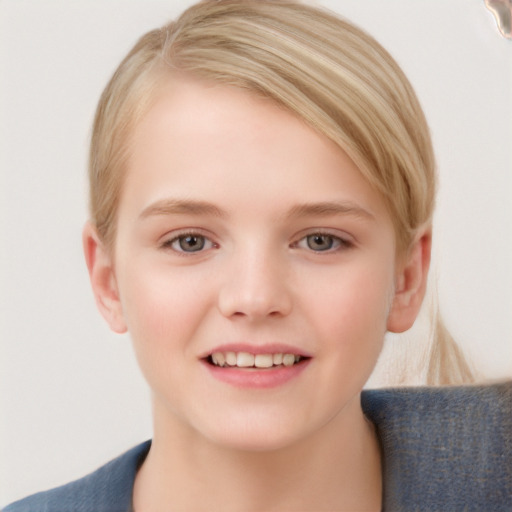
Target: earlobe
{"points": [[410, 285], [102, 277]]}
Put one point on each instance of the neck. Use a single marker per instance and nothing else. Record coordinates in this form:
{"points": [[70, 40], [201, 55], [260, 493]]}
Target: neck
{"points": [[337, 468]]}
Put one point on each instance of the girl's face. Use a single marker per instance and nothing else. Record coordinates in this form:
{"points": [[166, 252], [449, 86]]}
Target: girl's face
{"points": [[247, 238]]}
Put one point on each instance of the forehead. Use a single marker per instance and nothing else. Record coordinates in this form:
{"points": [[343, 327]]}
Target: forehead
{"points": [[216, 143]]}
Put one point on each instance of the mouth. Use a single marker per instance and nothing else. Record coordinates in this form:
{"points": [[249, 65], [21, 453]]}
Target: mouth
{"points": [[247, 360], [258, 367]]}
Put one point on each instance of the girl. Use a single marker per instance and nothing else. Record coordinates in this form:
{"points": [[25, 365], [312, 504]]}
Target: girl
{"points": [[262, 187]]}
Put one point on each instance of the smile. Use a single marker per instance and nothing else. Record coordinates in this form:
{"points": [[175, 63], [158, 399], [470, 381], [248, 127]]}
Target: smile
{"points": [[248, 360]]}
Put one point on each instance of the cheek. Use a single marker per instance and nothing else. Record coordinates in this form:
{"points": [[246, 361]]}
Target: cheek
{"points": [[162, 306], [351, 309], [163, 311]]}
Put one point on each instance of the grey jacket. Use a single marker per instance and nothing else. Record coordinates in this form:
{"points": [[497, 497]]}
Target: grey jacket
{"points": [[444, 449]]}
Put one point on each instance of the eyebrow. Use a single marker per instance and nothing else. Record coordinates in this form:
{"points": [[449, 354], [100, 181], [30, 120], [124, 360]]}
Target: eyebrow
{"points": [[194, 207], [181, 207], [330, 208]]}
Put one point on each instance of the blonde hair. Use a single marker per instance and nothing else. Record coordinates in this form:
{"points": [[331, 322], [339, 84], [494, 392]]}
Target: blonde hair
{"points": [[329, 73]]}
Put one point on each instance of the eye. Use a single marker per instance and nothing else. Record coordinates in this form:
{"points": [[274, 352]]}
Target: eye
{"points": [[323, 242], [319, 242], [189, 243]]}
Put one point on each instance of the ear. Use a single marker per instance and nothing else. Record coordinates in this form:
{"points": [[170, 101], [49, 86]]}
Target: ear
{"points": [[410, 284], [103, 280]]}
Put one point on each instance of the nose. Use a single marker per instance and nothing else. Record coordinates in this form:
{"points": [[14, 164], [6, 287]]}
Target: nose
{"points": [[255, 287]]}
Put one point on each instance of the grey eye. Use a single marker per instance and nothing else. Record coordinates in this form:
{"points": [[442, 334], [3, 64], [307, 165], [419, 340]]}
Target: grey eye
{"points": [[319, 242], [189, 243]]}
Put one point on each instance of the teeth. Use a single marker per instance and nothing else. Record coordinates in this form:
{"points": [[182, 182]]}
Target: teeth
{"points": [[244, 360], [278, 359], [288, 359], [263, 361], [247, 360], [231, 359], [219, 358]]}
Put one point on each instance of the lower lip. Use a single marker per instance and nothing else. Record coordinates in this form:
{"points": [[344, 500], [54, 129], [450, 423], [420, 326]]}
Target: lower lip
{"points": [[257, 378]]}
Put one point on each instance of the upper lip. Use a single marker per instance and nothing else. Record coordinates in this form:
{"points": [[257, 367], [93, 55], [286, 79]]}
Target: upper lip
{"points": [[272, 348]]}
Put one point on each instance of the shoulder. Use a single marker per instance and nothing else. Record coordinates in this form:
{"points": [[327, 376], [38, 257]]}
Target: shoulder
{"points": [[445, 448], [108, 489]]}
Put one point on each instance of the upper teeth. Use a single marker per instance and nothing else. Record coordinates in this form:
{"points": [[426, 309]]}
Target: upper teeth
{"points": [[247, 360]]}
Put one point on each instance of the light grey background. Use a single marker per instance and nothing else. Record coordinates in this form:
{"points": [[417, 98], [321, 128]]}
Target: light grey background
{"points": [[71, 396]]}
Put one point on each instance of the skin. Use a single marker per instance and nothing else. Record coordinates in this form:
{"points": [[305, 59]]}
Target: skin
{"points": [[242, 174]]}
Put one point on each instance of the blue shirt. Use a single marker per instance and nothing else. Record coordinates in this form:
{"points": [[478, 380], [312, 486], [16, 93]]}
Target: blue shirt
{"points": [[443, 449]]}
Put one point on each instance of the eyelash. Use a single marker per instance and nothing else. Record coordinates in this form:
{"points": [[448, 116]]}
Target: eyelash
{"points": [[336, 243], [169, 244]]}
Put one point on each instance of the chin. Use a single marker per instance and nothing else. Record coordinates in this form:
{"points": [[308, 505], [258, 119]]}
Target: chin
{"points": [[252, 441], [257, 434]]}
